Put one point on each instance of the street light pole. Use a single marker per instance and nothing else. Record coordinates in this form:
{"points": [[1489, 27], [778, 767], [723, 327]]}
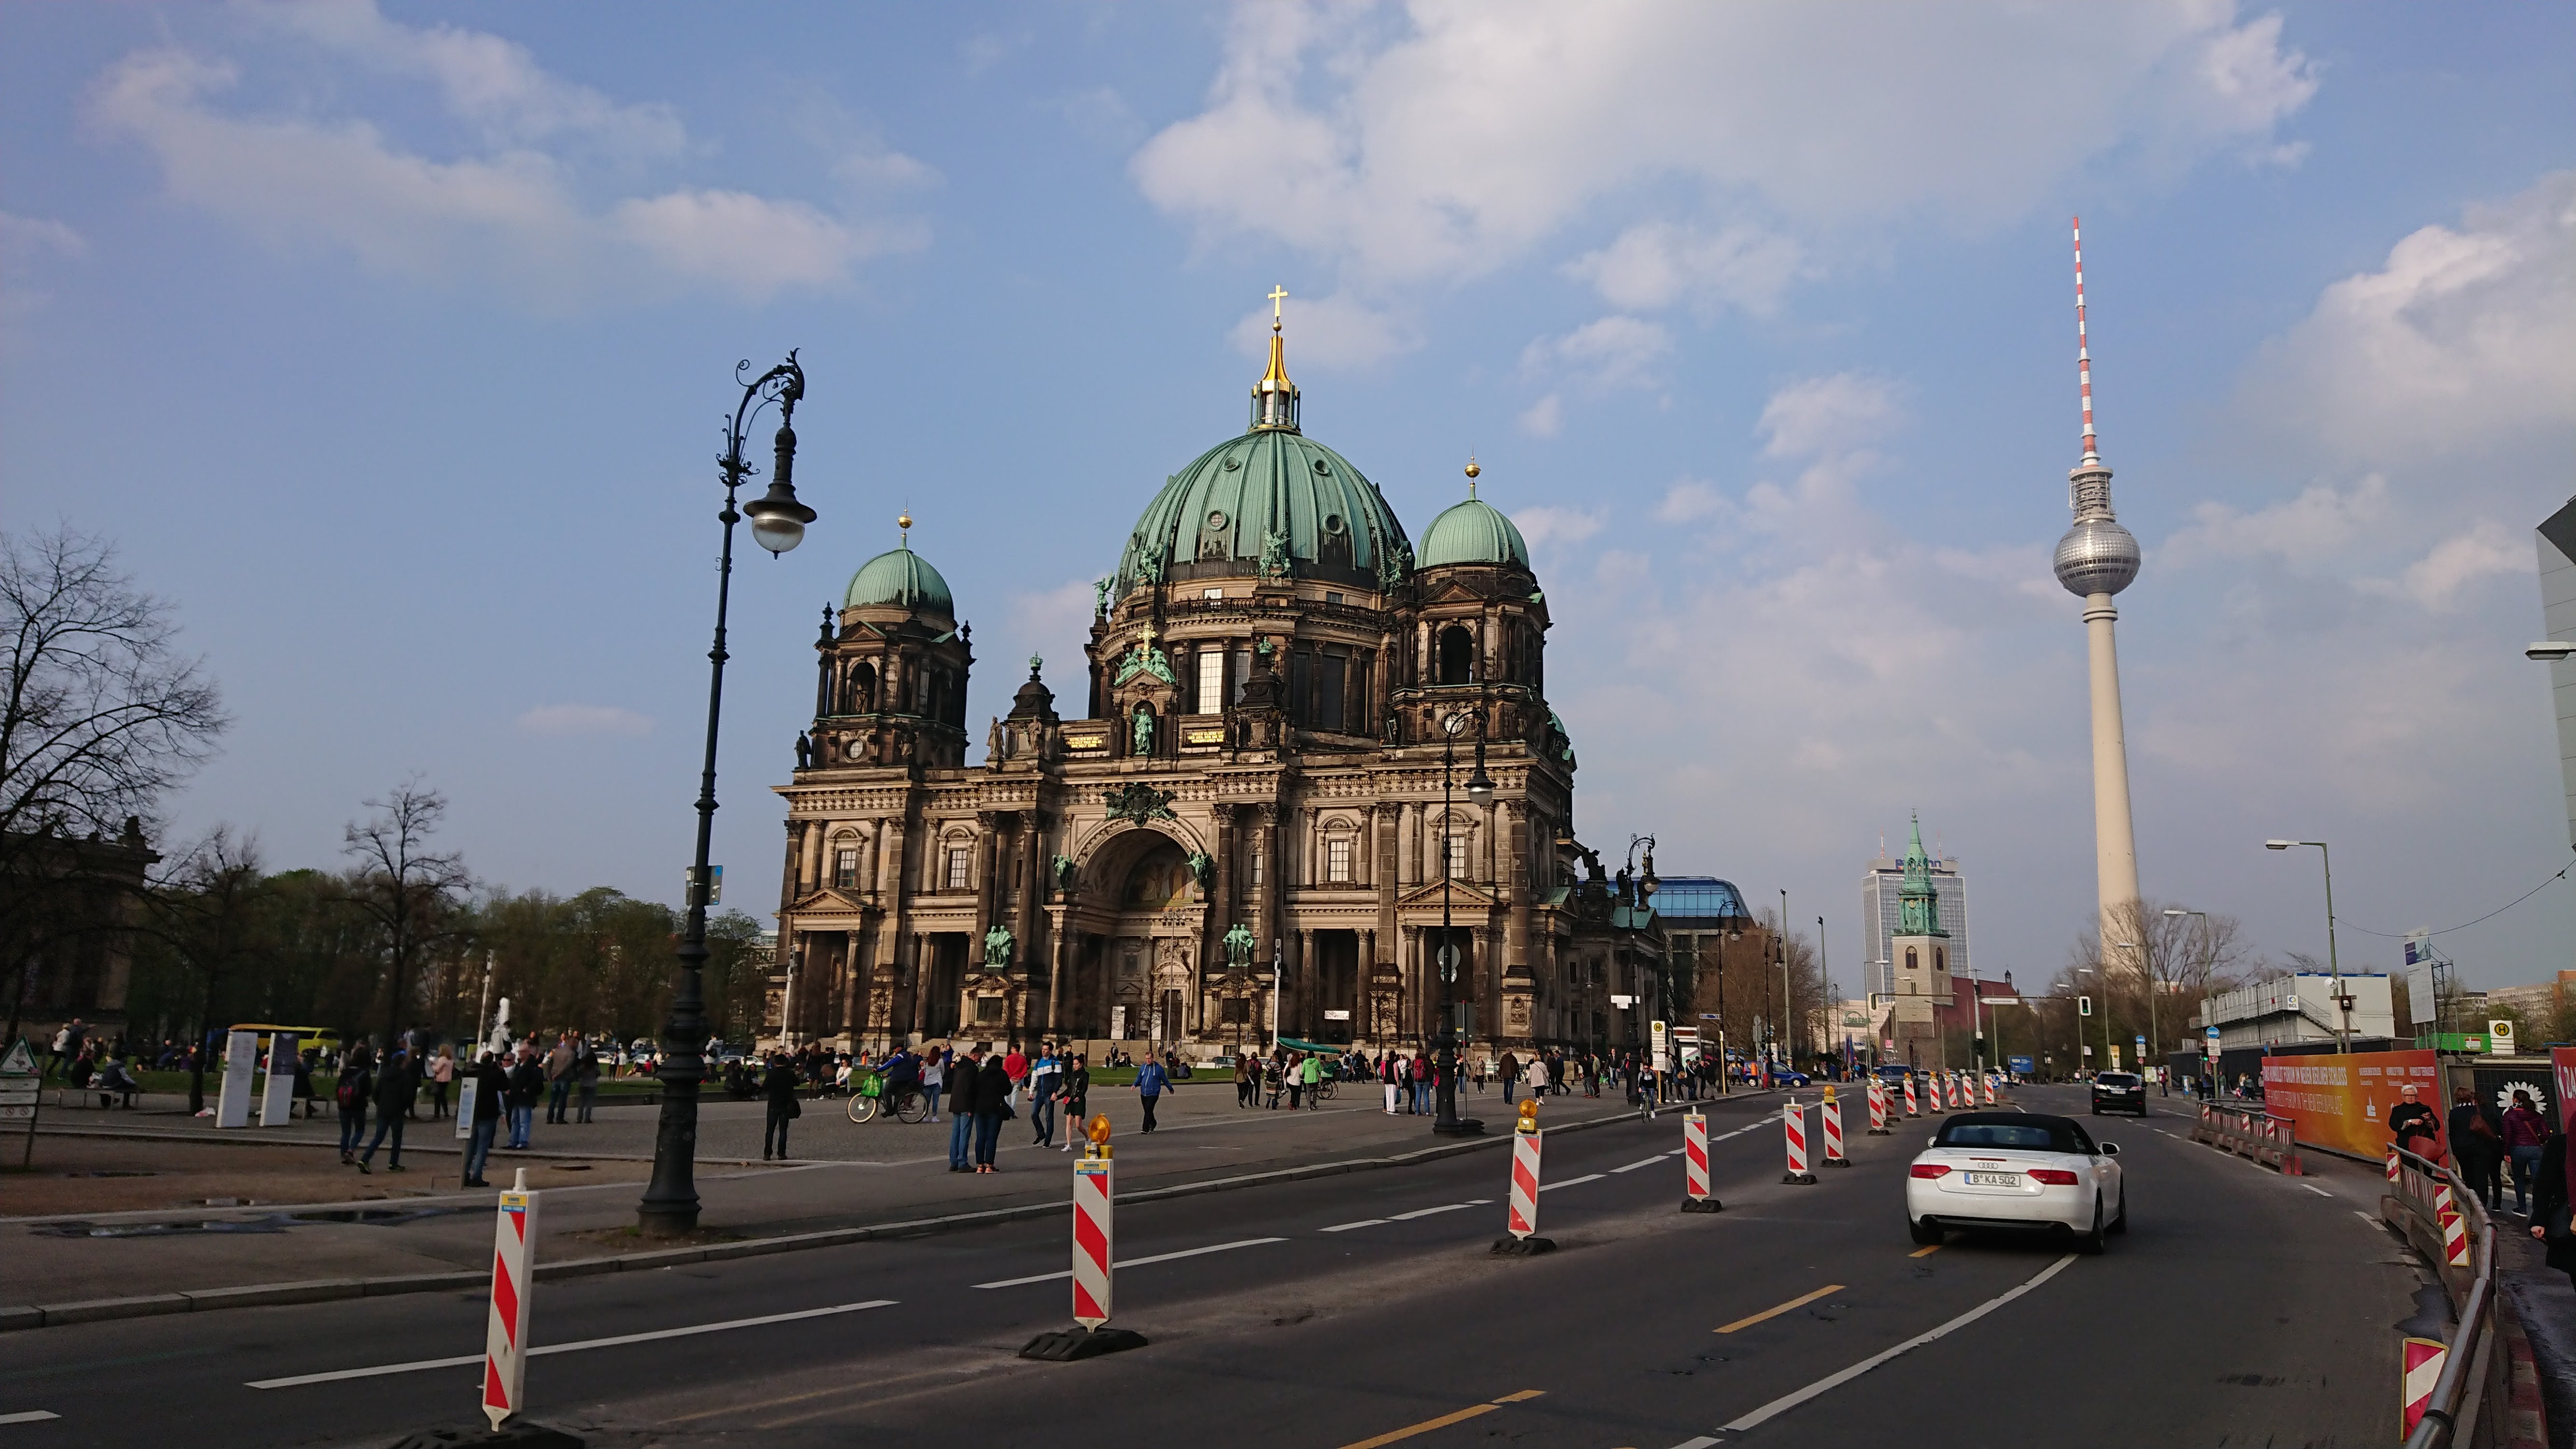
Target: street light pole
{"points": [[1446, 1122], [670, 1204], [2334, 962]]}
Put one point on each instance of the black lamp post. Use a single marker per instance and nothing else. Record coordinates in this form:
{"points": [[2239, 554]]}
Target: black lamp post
{"points": [[1446, 1121], [670, 1205], [1646, 886]]}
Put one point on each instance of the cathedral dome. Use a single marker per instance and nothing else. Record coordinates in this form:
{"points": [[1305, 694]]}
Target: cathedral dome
{"points": [[1270, 491], [899, 578], [1473, 532]]}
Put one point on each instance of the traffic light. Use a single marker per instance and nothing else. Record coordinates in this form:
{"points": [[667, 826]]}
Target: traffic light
{"points": [[2084, 1006]]}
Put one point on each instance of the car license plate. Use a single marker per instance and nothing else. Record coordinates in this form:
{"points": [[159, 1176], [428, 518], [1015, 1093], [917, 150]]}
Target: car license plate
{"points": [[1994, 1179]]}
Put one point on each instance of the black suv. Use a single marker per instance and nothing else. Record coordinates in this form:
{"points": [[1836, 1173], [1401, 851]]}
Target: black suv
{"points": [[2119, 1092]]}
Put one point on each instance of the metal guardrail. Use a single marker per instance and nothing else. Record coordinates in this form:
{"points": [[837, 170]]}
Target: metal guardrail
{"points": [[2250, 1132], [2469, 1398]]}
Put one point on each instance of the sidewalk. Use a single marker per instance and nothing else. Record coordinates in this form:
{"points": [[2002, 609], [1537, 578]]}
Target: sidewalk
{"points": [[846, 1176]]}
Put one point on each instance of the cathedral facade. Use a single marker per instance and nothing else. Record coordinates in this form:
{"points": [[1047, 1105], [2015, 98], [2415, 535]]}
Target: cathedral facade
{"points": [[1314, 771]]}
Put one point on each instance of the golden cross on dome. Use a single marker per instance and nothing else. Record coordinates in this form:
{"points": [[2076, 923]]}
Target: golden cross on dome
{"points": [[1149, 633], [1277, 294]]}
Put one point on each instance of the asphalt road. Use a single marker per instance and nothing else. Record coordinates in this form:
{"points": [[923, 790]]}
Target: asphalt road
{"points": [[2242, 1308]]}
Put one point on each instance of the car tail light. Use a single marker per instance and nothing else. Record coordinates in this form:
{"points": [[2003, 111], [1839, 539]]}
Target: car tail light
{"points": [[2053, 1176], [1934, 1169]]}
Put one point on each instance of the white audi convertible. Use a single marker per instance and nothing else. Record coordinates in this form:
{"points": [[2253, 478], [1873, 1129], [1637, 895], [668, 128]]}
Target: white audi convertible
{"points": [[2017, 1171]]}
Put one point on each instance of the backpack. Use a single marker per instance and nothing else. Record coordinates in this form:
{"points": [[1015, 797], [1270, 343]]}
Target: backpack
{"points": [[347, 1095]]}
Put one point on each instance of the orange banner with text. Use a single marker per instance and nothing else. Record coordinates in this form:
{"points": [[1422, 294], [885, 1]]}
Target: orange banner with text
{"points": [[2342, 1101]]}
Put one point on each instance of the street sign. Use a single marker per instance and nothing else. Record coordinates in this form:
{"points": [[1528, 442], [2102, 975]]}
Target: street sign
{"points": [[2209, 1041], [20, 1062], [19, 1086]]}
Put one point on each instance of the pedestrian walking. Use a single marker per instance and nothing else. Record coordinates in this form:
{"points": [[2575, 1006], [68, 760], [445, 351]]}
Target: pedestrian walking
{"points": [[1046, 1076], [1077, 1100], [396, 1085], [1389, 1077], [961, 1110], [1314, 1081], [2553, 1191], [993, 1091], [442, 1071], [1511, 1074], [2477, 1145], [1538, 1075], [357, 1084], [1244, 1084], [778, 1091], [2413, 1124], [491, 1085], [1150, 1084], [934, 1074], [559, 1078], [2524, 1137], [585, 1079], [1015, 1066]]}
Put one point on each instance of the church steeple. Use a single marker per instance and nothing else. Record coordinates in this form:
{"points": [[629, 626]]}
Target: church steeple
{"points": [[1918, 903], [1274, 398]]}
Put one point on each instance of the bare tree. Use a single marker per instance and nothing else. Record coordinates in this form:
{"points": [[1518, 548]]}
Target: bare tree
{"points": [[409, 891], [100, 715], [208, 910], [2157, 970]]}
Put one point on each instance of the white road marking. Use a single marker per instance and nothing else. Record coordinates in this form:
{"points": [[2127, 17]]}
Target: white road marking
{"points": [[32, 1416], [1346, 1227], [1633, 1166], [1786, 1402], [2319, 1191], [1450, 1207], [588, 1343], [1121, 1263], [1570, 1182]]}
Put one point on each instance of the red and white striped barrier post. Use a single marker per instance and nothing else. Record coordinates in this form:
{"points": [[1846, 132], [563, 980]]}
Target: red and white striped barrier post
{"points": [[1990, 1089], [1520, 1218], [1095, 1259], [1834, 1131], [1958, 1091], [2455, 1228], [2392, 1156], [2422, 1369], [1912, 1109], [505, 1333], [1877, 1108], [1934, 1094], [1793, 1122], [1696, 1198]]}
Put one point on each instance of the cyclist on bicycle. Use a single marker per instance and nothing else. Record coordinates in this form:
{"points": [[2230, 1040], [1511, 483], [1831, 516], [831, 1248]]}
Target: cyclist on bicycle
{"points": [[900, 1073]]}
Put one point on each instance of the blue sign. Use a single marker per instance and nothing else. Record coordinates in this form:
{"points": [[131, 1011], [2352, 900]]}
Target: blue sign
{"points": [[2021, 1065]]}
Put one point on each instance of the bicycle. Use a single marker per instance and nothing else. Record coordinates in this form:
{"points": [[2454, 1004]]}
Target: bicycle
{"points": [[911, 1103]]}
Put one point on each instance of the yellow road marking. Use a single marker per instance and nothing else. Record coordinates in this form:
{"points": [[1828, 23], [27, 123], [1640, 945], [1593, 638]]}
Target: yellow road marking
{"points": [[1445, 1420], [1925, 1252], [1768, 1313]]}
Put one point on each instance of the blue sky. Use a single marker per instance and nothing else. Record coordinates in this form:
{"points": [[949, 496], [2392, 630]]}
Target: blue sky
{"points": [[391, 343]]}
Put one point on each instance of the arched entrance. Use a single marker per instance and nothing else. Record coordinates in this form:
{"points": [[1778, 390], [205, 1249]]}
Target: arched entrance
{"points": [[1142, 917]]}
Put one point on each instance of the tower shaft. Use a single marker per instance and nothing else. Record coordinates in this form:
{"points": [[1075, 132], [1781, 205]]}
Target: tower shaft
{"points": [[2115, 840]]}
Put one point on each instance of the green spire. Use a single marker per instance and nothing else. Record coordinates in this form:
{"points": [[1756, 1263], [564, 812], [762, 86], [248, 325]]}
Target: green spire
{"points": [[1918, 904]]}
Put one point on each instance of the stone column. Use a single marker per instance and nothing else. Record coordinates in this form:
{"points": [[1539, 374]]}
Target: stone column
{"points": [[1308, 999], [1271, 832], [988, 828], [920, 974], [854, 990], [1409, 1007], [1030, 924]]}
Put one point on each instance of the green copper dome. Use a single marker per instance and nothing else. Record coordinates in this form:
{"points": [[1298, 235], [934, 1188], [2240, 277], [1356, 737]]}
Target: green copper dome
{"points": [[1271, 501], [903, 579], [1473, 532]]}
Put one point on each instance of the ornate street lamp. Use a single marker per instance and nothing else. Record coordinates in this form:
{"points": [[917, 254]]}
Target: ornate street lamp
{"points": [[1444, 1062], [670, 1205]]}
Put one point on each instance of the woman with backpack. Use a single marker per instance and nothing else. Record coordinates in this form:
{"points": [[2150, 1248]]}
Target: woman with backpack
{"points": [[357, 1084]]}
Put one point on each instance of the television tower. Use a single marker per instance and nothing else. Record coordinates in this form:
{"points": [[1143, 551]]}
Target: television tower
{"points": [[2095, 560]]}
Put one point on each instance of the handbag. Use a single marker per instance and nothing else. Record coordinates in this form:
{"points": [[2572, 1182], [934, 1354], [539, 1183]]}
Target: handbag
{"points": [[795, 1108]]}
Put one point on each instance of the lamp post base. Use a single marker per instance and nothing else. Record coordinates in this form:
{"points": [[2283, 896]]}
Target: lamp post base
{"points": [[1460, 1127]]}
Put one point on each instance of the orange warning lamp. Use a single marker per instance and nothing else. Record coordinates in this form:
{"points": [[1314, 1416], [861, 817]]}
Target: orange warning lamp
{"points": [[1098, 1132], [1829, 1091], [1529, 1115]]}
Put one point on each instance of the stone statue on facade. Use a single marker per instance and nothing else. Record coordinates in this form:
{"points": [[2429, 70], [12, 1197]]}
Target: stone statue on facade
{"points": [[1143, 732], [997, 948], [804, 751], [1202, 868], [1274, 554], [1100, 595], [1063, 866], [993, 745]]}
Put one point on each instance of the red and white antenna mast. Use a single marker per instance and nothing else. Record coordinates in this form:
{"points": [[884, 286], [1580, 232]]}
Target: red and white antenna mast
{"points": [[2083, 349]]}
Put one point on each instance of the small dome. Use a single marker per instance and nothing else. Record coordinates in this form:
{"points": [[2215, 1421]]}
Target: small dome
{"points": [[902, 579], [1473, 532]]}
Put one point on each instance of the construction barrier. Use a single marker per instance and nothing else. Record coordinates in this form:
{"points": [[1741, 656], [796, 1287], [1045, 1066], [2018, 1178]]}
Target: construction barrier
{"points": [[505, 1333], [2420, 1370], [1911, 1108], [1095, 1260], [1696, 1197], [1877, 1108], [1990, 1089], [1793, 1122], [1959, 1093], [2459, 1390], [2455, 1228], [2250, 1132], [1520, 1218], [1834, 1131]]}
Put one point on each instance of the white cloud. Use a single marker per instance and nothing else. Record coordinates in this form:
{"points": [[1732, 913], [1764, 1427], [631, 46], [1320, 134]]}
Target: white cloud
{"points": [[1544, 418], [1547, 524], [1606, 353], [2463, 341], [1445, 139], [2321, 526], [1689, 501], [1656, 264], [584, 719], [24, 242], [2436, 579], [514, 215], [1334, 331], [1822, 416]]}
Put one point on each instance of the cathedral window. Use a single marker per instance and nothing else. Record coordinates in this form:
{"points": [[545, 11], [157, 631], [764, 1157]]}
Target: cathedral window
{"points": [[960, 868], [1242, 673], [1328, 693], [1912, 962], [1256, 869], [845, 867], [1337, 859], [1212, 680], [1456, 857], [1457, 655]]}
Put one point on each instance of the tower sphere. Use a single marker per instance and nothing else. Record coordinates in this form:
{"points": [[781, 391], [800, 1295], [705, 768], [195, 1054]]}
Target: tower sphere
{"points": [[2097, 556]]}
